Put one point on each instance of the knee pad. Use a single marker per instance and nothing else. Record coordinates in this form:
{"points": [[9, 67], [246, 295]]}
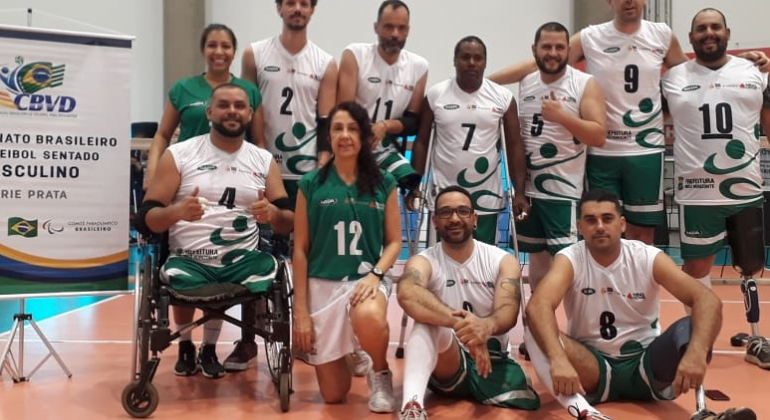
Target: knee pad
{"points": [[745, 234], [441, 337]]}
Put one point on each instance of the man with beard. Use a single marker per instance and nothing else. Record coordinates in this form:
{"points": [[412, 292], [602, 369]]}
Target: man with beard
{"points": [[469, 115], [464, 297], [717, 102], [613, 349], [213, 185], [561, 112], [298, 82], [626, 55], [389, 82]]}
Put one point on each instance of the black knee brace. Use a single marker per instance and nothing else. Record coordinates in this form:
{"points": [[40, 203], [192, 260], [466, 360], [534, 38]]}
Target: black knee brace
{"points": [[667, 350], [745, 234]]}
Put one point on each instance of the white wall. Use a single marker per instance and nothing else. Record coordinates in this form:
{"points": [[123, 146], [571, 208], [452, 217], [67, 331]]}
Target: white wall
{"points": [[140, 18], [507, 27], [747, 19]]}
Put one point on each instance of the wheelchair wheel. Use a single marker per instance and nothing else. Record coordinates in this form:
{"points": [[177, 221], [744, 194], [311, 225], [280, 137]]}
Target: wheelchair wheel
{"points": [[278, 343], [284, 384], [143, 331], [139, 405], [273, 353]]}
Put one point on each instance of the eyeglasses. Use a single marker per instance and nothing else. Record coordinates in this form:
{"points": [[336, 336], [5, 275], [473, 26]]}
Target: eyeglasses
{"points": [[447, 212]]}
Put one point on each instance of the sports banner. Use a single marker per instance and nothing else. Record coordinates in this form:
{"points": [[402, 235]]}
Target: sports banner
{"points": [[65, 105]]}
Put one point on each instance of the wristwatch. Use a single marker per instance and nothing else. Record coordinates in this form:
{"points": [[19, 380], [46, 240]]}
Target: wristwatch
{"points": [[377, 272]]}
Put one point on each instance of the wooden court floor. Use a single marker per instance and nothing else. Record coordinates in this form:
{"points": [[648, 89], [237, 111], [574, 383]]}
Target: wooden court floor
{"points": [[95, 343]]}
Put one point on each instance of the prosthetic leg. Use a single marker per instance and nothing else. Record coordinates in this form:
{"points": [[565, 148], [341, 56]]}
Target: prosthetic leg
{"points": [[745, 236]]}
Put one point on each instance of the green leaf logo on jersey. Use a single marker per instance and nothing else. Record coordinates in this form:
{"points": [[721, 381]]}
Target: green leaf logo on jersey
{"points": [[240, 225], [481, 166], [298, 131], [646, 106], [642, 136], [547, 153], [735, 150], [726, 186], [541, 179]]}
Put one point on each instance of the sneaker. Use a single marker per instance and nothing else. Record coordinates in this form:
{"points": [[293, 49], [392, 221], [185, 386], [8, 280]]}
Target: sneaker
{"points": [[523, 351], [242, 356], [587, 415], [741, 413], [359, 362], [381, 399], [208, 362], [185, 363], [758, 352], [413, 411]]}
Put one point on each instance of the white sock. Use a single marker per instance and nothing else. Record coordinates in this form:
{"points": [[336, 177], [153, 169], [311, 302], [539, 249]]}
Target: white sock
{"points": [[543, 369], [211, 330], [420, 359], [539, 264]]}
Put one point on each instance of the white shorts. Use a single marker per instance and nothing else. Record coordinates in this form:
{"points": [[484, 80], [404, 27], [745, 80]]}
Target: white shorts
{"points": [[329, 302]]}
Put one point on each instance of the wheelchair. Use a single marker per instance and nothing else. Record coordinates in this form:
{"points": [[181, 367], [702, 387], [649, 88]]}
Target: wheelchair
{"points": [[153, 333]]}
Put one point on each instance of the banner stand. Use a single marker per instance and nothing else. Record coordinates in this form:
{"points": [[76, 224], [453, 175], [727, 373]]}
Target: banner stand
{"points": [[15, 367], [17, 370]]}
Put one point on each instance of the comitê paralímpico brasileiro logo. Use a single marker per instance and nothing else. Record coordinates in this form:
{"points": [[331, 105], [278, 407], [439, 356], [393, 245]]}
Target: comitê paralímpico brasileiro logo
{"points": [[23, 83]]}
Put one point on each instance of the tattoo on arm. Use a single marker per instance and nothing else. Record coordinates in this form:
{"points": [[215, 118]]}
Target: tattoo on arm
{"points": [[509, 292]]}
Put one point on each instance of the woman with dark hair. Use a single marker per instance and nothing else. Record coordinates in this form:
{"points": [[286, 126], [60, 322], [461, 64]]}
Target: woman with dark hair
{"points": [[347, 234], [186, 109], [187, 98]]}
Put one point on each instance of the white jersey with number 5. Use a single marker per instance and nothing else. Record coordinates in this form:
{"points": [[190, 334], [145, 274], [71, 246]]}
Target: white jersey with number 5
{"points": [[385, 90], [555, 161], [716, 116], [469, 285], [613, 309], [289, 85], [468, 127], [230, 182], [628, 68]]}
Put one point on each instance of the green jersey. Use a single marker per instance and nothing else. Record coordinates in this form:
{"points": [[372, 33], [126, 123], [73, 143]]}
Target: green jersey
{"points": [[190, 97], [347, 230]]}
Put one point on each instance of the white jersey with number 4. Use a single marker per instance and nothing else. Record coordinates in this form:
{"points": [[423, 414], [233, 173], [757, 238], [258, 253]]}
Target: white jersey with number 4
{"points": [[230, 182], [628, 68], [289, 85], [716, 118], [555, 160], [469, 285], [468, 127], [613, 309]]}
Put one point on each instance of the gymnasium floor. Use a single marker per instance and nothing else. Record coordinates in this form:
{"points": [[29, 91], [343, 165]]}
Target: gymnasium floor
{"points": [[94, 341]]}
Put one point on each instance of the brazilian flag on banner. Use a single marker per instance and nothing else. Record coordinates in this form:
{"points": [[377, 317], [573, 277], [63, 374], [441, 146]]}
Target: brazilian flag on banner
{"points": [[22, 227]]}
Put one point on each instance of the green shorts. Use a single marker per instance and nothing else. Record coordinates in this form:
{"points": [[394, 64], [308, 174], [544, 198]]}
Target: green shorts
{"points": [[636, 180], [507, 386], [703, 233], [255, 270], [390, 160], [626, 379], [486, 229], [551, 225]]}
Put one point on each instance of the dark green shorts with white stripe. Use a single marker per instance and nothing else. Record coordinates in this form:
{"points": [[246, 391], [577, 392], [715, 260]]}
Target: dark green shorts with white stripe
{"points": [[255, 270], [507, 386]]}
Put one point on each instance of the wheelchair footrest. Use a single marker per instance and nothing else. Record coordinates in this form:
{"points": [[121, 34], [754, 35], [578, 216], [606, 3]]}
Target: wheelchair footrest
{"points": [[210, 293]]}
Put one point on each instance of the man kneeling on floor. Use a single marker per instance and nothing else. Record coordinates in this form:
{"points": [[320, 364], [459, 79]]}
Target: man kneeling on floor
{"points": [[209, 193], [464, 297], [613, 349]]}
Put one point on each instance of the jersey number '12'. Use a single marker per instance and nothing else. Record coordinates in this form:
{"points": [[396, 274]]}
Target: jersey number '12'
{"points": [[355, 229]]}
